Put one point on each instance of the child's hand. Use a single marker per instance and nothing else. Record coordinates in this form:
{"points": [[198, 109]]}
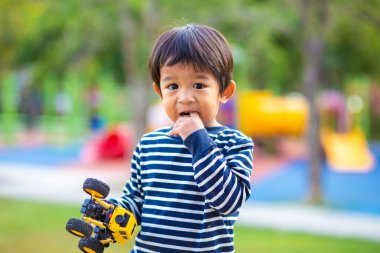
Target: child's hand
{"points": [[186, 125]]}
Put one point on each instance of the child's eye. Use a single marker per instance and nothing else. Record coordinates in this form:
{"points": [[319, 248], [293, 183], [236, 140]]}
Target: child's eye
{"points": [[172, 86], [198, 86]]}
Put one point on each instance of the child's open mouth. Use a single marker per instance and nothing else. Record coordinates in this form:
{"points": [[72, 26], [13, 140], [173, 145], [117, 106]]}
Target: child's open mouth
{"points": [[185, 114]]}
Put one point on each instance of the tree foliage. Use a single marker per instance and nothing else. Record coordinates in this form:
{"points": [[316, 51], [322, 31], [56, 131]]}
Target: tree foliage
{"points": [[85, 37]]}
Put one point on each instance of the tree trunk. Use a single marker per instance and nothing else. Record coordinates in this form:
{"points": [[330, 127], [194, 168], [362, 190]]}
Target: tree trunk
{"points": [[137, 80], [314, 17]]}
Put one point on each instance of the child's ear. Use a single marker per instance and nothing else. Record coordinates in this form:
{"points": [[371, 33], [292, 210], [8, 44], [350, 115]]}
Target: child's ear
{"points": [[228, 92], [157, 89]]}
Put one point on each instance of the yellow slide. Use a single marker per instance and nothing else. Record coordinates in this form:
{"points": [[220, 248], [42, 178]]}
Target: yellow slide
{"points": [[347, 152]]}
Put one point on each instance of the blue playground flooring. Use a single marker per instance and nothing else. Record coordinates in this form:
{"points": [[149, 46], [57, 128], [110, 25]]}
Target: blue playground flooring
{"points": [[46, 156], [348, 191]]}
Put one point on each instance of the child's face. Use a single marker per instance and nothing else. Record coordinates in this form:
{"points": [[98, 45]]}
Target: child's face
{"points": [[183, 90]]}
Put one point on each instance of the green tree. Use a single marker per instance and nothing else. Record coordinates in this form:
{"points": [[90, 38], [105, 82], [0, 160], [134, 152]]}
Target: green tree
{"points": [[92, 37]]}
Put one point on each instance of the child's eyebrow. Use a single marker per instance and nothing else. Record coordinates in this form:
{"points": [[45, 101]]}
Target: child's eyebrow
{"points": [[202, 76], [197, 76], [167, 78]]}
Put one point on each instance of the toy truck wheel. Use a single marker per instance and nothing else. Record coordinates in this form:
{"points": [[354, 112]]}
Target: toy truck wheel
{"points": [[79, 228], [90, 245], [96, 188]]}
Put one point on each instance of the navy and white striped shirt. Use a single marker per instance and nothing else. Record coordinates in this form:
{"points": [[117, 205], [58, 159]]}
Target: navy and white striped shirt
{"points": [[186, 195]]}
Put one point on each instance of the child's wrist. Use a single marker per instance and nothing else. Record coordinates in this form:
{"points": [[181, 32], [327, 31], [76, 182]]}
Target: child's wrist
{"points": [[198, 141]]}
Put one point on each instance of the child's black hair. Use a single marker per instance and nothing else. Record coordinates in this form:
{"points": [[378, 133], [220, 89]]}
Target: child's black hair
{"points": [[202, 46]]}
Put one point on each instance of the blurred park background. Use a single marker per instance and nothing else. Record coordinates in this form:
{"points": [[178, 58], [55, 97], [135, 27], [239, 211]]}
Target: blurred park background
{"points": [[75, 96]]}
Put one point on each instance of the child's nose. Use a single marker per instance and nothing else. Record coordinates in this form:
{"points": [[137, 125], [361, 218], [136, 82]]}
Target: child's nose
{"points": [[185, 97]]}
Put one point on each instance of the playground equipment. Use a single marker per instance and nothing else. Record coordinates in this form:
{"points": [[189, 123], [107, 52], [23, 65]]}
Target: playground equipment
{"points": [[342, 136], [347, 152], [112, 224], [112, 144], [262, 114]]}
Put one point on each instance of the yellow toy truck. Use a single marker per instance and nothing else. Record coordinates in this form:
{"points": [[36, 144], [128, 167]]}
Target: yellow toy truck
{"points": [[102, 221]]}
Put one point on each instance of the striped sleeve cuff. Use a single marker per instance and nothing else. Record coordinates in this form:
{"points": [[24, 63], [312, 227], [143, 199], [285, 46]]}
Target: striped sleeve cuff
{"points": [[198, 141]]}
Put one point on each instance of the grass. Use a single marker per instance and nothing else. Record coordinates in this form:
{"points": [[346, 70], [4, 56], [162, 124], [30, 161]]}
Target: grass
{"points": [[40, 227]]}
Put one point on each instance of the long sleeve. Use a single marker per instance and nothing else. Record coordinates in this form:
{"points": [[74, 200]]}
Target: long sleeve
{"points": [[186, 194], [223, 176], [133, 195]]}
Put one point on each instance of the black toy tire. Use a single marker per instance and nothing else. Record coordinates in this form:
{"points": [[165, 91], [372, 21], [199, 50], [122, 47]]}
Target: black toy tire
{"points": [[79, 228], [90, 245], [96, 188]]}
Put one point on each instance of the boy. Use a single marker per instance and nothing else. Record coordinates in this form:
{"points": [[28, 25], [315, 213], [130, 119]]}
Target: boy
{"points": [[189, 181]]}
